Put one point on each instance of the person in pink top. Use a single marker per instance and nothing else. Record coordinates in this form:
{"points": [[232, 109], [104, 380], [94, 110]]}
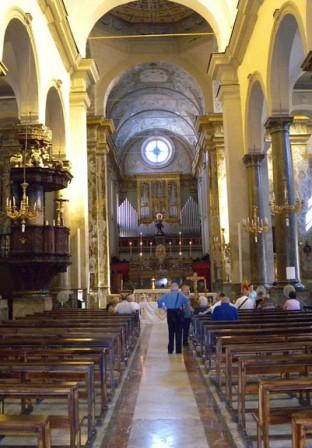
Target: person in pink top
{"points": [[292, 304]]}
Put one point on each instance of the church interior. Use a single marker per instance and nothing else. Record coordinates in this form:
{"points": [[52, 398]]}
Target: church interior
{"points": [[142, 144]]}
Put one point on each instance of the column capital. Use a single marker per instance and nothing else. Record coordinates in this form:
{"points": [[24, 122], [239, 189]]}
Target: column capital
{"points": [[278, 123], [253, 159], [307, 63]]}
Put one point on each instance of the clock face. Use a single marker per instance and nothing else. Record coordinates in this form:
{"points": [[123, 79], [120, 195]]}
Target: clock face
{"points": [[157, 151], [159, 216]]}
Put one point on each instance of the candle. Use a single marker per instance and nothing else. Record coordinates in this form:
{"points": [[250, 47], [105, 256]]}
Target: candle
{"points": [[190, 244], [170, 244], [13, 201], [130, 248], [47, 223], [53, 222], [151, 247], [78, 260]]}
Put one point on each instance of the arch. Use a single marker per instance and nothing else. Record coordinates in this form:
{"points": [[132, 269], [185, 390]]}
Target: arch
{"points": [[288, 45], [256, 114], [107, 83], [19, 55], [54, 119], [217, 14]]}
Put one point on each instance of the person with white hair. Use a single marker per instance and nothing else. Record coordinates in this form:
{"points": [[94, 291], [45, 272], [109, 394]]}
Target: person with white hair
{"points": [[124, 307], [203, 305], [134, 304], [174, 303]]}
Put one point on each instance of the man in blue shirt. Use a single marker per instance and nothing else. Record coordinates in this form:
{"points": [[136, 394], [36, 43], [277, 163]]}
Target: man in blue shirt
{"points": [[225, 311], [174, 302]]}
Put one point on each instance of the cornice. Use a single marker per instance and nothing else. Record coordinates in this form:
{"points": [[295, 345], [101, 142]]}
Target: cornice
{"points": [[56, 15], [223, 66]]}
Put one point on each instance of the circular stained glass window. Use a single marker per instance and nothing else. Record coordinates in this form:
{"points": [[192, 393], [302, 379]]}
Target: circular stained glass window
{"points": [[157, 151]]}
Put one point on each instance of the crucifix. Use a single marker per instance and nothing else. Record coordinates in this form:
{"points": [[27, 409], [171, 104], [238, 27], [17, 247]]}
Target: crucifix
{"points": [[195, 278]]}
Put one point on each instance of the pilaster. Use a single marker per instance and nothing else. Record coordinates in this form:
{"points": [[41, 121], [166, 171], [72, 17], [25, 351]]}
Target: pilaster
{"points": [[99, 138], [82, 77], [237, 194]]}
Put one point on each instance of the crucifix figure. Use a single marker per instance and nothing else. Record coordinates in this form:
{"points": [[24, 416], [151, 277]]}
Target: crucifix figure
{"points": [[195, 278]]}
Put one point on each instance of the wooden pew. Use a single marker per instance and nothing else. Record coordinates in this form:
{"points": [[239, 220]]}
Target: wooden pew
{"points": [[27, 425], [273, 365], [239, 351], [265, 416], [301, 423], [67, 391], [50, 370]]}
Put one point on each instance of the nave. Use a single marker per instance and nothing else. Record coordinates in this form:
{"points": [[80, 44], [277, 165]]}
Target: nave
{"points": [[164, 402]]}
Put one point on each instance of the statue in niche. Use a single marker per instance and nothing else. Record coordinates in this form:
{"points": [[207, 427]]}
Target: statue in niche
{"points": [[159, 224]]}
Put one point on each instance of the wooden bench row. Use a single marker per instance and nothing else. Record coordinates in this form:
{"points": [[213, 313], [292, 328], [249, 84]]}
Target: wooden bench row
{"points": [[86, 348]]}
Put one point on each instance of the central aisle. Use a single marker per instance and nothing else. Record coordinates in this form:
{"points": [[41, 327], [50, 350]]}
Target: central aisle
{"points": [[166, 414]]}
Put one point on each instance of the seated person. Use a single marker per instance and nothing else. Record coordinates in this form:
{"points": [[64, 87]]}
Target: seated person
{"points": [[292, 304], [203, 305], [245, 302], [134, 304], [225, 311], [259, 300], [124, 307], [267, 304]]}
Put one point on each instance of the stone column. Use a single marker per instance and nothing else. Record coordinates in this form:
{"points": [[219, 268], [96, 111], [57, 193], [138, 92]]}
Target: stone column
{"points": [[237, 195], [99, 133], [259, 262], [77, 209], [286, 235]]}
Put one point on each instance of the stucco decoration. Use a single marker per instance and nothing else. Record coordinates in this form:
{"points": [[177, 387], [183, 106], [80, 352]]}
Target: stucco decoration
{"points": [[154, 97]]}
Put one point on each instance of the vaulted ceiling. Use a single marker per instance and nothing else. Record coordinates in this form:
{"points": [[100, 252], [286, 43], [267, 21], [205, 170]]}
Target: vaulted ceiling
{"points": [[155, 99]]}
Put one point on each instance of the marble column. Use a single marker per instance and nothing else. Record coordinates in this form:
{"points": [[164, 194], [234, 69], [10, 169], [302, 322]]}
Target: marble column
{"points": [[99, 138], [77, 209], [258, 250], [286, 234]]}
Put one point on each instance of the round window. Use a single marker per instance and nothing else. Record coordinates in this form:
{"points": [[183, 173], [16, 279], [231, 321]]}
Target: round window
{"points": [[157, 151]]}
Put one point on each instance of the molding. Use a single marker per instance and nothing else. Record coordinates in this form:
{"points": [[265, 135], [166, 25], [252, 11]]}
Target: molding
{"points": [[223, 66], [56, 15]]}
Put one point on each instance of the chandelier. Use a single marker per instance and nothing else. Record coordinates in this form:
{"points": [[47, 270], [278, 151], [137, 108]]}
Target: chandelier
{"points": [[24, 211], [255, 224], [285, 207]]}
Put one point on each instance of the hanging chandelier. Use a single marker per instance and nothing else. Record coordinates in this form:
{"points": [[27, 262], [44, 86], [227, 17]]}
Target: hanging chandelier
{"points": [[285, 207], [23, 212], [255, 224]]}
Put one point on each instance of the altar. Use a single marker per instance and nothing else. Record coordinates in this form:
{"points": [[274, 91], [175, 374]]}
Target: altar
{"points": [[148, 294]]}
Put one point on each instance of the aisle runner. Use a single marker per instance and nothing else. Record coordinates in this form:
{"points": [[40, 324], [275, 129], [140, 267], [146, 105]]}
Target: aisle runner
{"points": [[166, 414]]}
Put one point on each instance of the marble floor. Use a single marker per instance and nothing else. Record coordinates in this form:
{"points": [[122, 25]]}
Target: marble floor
{"points": [[164, 402]]}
